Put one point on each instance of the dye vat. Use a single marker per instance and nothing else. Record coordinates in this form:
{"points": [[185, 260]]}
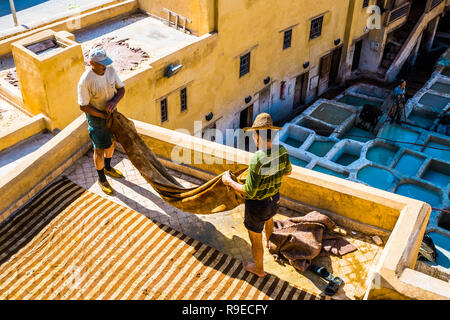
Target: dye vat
{"points": [[298, 162], [442, 244], [434, 102], [441, 87], [321, 148], [399, 134], [376, 177], [437, 150], [419, 192], [331, 114], [44, 47], [294, 142], [358, 101], [346, 159], [421, 120], [317, 127], [438, 174], [321, 169], [409, 164], [358, 134], [382, 154]]}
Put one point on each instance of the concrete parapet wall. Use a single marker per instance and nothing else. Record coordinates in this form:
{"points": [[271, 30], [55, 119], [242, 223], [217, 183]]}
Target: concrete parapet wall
{"points": [[405, 218], [37, 169], [22, 131]]}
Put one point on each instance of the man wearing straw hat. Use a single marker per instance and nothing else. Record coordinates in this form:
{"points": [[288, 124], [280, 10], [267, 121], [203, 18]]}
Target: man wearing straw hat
{"points": [[267, 168]]}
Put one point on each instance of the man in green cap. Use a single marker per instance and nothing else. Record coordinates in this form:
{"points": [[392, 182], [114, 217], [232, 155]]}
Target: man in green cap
{"points": [[267, 168]]}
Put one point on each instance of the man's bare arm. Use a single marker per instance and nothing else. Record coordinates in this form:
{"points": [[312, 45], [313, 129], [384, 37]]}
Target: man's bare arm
{"points": [[112, 104], [93, 111], [226, 179]]}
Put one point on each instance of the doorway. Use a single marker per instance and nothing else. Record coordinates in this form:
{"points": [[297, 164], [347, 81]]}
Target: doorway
{"points": [[335, 64], [324, 73], [300, 91], [357, 55], [246, 117]]}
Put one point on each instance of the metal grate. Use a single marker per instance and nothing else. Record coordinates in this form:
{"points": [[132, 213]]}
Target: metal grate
{"points": [[399, 13], [244, 65], [435, 3], [164, 110], [183, 99], [316, 28], [287, 39]]}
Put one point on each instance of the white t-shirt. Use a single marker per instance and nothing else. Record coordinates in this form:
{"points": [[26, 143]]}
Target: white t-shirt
{"points": [[98, 90]]}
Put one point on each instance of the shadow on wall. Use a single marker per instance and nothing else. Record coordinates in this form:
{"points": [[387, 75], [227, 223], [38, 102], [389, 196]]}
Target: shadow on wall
{"points": [[5, 9]]}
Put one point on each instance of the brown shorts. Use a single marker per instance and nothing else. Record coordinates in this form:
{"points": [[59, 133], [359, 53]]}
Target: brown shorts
{"points": [[257, 212]]}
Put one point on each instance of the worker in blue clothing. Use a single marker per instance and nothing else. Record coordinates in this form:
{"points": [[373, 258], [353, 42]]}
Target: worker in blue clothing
{"points": [[399, 97]]}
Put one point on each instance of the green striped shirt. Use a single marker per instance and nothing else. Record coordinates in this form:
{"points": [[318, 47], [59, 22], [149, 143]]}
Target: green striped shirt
{"points": [[266, 170]]}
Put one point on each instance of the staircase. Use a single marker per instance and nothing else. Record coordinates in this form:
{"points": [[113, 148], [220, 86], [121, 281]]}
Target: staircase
{"points": [[400, 36]]}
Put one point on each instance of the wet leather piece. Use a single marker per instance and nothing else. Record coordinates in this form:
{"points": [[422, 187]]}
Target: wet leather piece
{"points": [[301, 239]]}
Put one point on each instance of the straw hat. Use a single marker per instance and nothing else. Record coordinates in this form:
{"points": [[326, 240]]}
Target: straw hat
{"points": [[262, 122]]}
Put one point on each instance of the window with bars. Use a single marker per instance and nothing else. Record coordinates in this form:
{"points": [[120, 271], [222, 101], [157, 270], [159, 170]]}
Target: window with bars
{"points": [[287, 39], [183, 99], [366, 3], [316, 28], [244, 65], [164, 110]]}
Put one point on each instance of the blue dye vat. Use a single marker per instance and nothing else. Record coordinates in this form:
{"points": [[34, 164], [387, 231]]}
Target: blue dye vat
{"points": [[441, 87], [321, 148], [420, 193], [330, 172], [358, 134], [421, 121], [434, 102], [381, 155], [358, 101], [437, 150], [437, 178], [298, 162], [376, 177], [442, 244], [294, 142], [346, 159], [398, 134], [409, 164]]}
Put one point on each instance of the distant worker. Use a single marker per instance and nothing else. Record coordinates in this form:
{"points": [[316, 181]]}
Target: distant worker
{"points": [[266, 170], [99, 92], [399, 97]]}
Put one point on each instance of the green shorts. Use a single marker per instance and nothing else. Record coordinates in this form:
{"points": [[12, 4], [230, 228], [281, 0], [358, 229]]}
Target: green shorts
{"points": [[100, 136]]}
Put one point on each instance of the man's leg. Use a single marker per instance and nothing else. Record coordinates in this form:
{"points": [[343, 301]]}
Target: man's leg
{"points": [[99, 163], [258, 253], [268, 229], [108, 155]]}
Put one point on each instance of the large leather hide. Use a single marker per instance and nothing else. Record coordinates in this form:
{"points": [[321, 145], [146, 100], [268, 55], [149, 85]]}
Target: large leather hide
{"points": [[211, 197]]}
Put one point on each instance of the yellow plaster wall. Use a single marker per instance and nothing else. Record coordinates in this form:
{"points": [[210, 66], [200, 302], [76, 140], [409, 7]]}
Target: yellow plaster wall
{"points": [[211, 66], [200, 12], [49, 82]]}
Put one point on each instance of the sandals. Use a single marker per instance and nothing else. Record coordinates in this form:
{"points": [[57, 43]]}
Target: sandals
{"points": [[333, 282]]}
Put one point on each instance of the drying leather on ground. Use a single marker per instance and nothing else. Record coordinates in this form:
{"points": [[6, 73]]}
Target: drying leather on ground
{"points": [[301, 239], [211, 197]]}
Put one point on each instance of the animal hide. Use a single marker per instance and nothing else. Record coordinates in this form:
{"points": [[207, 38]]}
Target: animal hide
{"points": [[211, 197]]}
